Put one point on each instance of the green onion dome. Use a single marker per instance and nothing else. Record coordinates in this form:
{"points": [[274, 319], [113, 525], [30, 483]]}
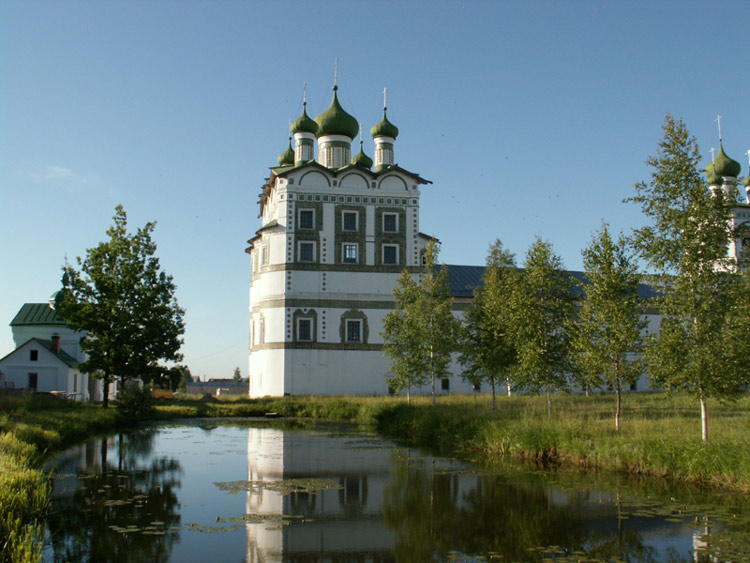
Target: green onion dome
{"points": [[57, 297], [724, 166], [304, 124], [712, 178], [361, 159], [335, 121], [286, 158], [385, 128]]}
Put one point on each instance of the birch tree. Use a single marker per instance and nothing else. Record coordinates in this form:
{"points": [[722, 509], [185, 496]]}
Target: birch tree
{"points": [[488, 344], [544, 309], [420, 334], [403, 339], [686, 243], [607, 339]]}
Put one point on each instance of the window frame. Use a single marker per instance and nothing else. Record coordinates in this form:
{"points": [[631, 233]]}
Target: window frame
{"points": [[311, 328], [383, 248], [305, 243], [389, 214], [312, 218], [360, 327], [344, 214], [344, 259]]}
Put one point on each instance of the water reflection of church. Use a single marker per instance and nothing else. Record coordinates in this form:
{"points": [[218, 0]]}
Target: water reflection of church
{"points": [[344, 521], [397, 505], [387, 503]]}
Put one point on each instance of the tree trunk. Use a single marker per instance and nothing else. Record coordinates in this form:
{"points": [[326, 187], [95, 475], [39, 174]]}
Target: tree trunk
{"points": [[493, 396], [103, 455], [432, 371], [617, 409], [704, 418], [408, 394], [105, 391], [507, 384], [549, 403], [433, 389], [119, 452]]}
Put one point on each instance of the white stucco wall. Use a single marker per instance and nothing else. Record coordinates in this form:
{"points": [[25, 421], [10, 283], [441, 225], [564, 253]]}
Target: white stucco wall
{"points": [[70, 340], [51, 373]]}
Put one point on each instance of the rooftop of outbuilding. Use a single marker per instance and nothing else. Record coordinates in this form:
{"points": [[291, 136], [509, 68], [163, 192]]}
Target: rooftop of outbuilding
{"points": [[37, 314], [463, 280]]}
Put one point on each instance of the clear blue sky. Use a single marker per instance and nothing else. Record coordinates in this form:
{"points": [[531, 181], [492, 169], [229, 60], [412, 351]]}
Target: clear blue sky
{"points": [[531, 118]]}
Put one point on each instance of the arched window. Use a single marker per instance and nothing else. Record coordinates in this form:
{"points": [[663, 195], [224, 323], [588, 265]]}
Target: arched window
{"points": [[354, 328]]}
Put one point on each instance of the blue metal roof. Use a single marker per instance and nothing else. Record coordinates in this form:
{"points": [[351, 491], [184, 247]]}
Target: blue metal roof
{"points": [[463, 280], [217, 383]]}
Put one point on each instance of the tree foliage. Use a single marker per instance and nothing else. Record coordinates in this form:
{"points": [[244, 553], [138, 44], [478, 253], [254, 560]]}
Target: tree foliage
{"points": [[687, 242], [419, 334], [607, 339], [488, 343], [180, 376], [544, 309], [126, 305]]}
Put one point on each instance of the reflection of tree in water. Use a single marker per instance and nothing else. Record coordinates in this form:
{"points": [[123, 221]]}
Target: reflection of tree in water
{"points": [[433, 513], [125, 493], [621, 544]]}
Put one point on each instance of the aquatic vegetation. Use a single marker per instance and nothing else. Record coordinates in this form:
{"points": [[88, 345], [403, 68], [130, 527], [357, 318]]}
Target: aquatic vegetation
{"points": [[282, 486]]}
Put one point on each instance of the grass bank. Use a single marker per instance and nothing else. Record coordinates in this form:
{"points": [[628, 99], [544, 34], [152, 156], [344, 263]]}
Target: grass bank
{"points": [[660, 437], [363, 410], [30, 427]]}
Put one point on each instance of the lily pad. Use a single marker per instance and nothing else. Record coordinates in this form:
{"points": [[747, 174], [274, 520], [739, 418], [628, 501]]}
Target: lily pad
{"points": [[282, 486]]}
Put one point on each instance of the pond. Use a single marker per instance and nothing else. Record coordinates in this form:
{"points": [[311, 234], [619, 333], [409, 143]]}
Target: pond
{"points": [[266, 492]]}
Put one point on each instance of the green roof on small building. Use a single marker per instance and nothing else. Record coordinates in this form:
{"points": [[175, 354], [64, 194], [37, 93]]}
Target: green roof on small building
{"points": [[37, 314]]}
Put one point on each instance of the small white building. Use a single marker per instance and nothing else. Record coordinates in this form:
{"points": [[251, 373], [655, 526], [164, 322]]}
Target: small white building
{"points": [[47, 356]]}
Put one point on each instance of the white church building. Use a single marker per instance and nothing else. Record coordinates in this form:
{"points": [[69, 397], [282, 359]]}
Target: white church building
{"points": [[336, 233]]}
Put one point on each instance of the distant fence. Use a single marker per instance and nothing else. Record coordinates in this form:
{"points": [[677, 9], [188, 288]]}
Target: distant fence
{"points": [[11, 389], [218, 388]]}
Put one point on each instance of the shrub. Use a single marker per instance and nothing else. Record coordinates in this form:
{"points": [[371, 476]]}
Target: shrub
{"points": [[135, 402]]}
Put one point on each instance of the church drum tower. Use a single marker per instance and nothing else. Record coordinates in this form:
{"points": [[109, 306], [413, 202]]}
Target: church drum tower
{"points": [[336, 233]]}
